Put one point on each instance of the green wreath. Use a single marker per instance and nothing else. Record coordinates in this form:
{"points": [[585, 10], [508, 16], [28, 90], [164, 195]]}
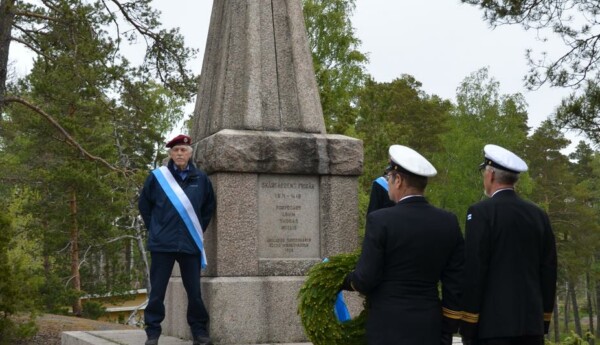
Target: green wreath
{"points": [[316, 300]]}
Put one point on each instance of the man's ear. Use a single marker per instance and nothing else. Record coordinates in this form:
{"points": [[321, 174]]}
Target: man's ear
{"points": [[398, 179]]}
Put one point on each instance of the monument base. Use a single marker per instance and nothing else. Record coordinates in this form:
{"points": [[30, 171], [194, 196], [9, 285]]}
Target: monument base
{"points": [[125, 337], [243, 310]]}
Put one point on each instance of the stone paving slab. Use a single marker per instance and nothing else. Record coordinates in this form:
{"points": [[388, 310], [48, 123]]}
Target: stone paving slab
{"points": [[126, 337]]}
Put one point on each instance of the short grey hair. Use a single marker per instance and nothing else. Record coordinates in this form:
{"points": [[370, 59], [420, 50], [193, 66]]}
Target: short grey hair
{"points": [[503, 176]]}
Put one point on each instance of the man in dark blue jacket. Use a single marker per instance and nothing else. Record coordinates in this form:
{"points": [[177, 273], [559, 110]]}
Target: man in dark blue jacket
{"points": [[510, 266], [407, 250], [172, 236]]}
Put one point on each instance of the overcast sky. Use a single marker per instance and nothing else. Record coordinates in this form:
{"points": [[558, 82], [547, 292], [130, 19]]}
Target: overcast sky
{"points": [[439, 42]]}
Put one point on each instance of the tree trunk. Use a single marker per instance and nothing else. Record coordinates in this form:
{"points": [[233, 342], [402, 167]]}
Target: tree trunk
{"points": [[142, 249], [108, 274], [598, 305], [590, 305], [100, 268], [7, 16], [576, 319], [128, 258], [567, 306], [77, 308], [556, 321]]}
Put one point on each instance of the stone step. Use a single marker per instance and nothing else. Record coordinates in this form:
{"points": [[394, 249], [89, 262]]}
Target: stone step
{"points": [[125, 337]]}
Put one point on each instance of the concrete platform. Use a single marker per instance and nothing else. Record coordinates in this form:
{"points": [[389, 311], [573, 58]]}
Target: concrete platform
{"points": [[125, 337], [138, 338]]}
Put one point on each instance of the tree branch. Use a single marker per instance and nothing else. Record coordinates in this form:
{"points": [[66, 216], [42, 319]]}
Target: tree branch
{"points": [[143, 30], [34, 49], [36, 15], [69, 138]]}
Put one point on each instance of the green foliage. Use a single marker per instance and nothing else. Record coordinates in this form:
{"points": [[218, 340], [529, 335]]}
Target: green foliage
{"points": [[12, 331], [580, 112], [574, 339], [481, 116], [113, 110], [576, 23], [17, 288], [338, 63], [317, 298], [93, 310], [398, 112]]}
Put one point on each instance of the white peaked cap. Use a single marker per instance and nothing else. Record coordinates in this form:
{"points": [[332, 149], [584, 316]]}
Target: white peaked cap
{"points": [[410, 160], [502, 158]]}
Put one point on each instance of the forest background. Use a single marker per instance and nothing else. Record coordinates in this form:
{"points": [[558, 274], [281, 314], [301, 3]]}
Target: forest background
{"points": [[81, 130]]}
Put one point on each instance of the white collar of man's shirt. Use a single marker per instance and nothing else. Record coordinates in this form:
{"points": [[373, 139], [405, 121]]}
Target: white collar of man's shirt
{"points": [[500, 190], [410, 196]]}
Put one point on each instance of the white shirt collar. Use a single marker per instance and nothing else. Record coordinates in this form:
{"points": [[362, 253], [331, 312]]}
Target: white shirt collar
{"points": [[500, 190], [410, 196]]}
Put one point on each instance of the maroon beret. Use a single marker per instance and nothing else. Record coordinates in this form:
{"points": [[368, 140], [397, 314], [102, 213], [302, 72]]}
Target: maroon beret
{"points": [[181, 139]]}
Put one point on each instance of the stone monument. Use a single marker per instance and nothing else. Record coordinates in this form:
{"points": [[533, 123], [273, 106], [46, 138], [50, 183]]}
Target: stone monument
{"points": [[286, 191]]}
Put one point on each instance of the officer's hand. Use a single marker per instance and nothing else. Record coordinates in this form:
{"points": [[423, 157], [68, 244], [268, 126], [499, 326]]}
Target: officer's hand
{"points": [[346, 285], [446, 339]]}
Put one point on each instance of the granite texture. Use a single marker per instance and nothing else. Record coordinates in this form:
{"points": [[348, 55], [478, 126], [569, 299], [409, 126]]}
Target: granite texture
{"points": [[257, 72], [339, 215], [286, 192], [243, 310], [232, 240], [280, 153]]}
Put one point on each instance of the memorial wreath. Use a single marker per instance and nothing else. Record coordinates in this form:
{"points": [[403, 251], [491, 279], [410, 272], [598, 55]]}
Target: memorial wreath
{"points": [[316, 304]]}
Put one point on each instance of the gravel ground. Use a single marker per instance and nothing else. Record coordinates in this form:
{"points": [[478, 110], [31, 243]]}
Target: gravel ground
{"points": [[51, 326]]}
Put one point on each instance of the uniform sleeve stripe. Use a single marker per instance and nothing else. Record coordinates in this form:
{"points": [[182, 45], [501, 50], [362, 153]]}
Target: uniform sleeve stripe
{"points": [[452, 314], [470, 317], [547, 316]]}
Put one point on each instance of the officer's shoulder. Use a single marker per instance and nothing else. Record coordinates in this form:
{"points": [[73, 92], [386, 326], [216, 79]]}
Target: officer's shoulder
{"points": [[482, 204], [383, 212], [446, 213], [532, 205]]}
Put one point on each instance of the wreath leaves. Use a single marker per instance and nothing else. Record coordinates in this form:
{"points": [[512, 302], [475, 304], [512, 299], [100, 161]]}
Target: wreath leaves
{"points": [[316, 300]]}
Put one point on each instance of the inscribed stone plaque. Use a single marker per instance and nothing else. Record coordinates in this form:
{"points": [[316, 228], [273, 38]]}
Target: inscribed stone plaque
{"points": [[288, 216]]}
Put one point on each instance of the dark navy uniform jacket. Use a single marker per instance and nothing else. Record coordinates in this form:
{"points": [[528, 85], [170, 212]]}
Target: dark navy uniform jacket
{"points": [[166, 230], [407, 250], [510, 268], [379, 197]]}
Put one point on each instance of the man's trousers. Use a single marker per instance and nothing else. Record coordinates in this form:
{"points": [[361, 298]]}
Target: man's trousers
{"points": [[160, 272]]}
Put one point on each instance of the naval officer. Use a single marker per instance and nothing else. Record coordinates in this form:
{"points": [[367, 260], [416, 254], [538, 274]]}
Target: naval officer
{"points": [[510, 266], [408, 248]]}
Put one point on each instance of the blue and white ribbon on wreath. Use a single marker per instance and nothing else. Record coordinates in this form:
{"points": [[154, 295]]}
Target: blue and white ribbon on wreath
{"points": [[382, 182], [340, 309], [183, 206]]}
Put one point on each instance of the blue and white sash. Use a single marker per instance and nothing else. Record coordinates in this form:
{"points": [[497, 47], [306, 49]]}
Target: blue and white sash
{"points": [[183, 206], [382, 182]]}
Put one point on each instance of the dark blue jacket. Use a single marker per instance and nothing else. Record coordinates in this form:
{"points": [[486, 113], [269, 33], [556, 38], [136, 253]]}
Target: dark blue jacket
{"points": [[379, 197], [407, 250], [166, 230], [510, 269]]}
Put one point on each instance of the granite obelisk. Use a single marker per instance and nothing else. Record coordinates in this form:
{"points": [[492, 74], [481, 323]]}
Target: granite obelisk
{"points": [[286, 191]]}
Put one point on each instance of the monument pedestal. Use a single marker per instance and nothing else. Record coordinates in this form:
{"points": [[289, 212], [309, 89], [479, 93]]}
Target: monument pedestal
{"points": [[284, 202], [243, 310], [287, 193]]}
